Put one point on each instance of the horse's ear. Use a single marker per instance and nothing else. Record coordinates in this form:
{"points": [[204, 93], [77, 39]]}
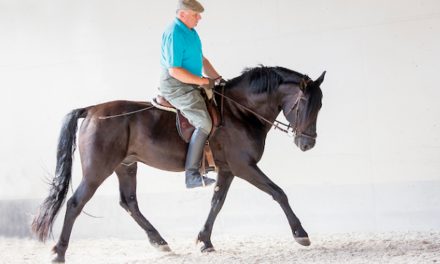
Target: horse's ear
{"points": [[318, 81]]}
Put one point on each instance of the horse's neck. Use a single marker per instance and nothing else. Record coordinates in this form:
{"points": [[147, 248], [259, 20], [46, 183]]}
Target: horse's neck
{"points": [[263, 105]]}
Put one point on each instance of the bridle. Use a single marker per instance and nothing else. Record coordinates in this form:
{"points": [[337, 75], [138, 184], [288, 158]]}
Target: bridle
{"points": [[286, 128]]}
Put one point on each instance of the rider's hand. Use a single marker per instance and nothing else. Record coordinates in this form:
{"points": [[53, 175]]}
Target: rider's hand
{"points": [[209, 83], [219, 81], [208, 86]]}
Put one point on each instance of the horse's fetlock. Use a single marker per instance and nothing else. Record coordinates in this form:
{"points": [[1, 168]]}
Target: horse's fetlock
{"points": [[60, 248], [204, 236]]}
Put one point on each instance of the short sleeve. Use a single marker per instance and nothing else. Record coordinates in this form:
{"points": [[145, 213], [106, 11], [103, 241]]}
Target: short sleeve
{"points": [[174, 49]]}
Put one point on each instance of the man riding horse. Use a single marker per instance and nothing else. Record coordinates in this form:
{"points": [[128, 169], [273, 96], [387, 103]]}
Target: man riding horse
{"points": [[182, 63]]}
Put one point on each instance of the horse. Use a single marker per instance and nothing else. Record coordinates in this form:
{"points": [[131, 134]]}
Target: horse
{"points": [[138, 132]]}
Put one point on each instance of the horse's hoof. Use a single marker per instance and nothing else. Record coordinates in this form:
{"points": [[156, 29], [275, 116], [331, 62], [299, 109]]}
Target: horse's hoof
{"points": [[207, 249], [304, 241], [164, 248], [58, 259], [59, 256]]}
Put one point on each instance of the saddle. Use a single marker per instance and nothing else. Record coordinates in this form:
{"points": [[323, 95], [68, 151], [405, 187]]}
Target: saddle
{"points": [[185, 129]]}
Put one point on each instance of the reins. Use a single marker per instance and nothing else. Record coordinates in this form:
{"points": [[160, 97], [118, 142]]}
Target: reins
{"points": [[276, 124], [283, 127]]}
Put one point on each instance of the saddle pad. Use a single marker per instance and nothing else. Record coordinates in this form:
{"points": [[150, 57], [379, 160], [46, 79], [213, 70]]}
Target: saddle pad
{"points": [[159, 106]]}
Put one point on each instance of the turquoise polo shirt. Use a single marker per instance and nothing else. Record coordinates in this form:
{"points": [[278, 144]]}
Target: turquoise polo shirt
{"points": [[181, 47]]}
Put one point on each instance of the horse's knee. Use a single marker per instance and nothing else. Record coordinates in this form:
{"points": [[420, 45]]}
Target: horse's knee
{"points": [[280, 197], [129, 203], [72, 207], [72, 203]]}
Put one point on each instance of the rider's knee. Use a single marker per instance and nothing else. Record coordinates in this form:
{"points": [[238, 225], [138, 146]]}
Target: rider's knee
{"points": [[208, 128], [206, 125]]}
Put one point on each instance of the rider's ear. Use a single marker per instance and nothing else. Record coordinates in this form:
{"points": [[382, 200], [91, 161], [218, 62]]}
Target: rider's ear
{"points": [[318, 81]]}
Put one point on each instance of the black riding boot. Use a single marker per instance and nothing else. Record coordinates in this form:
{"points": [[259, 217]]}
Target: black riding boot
{"points": [[193, 160]]}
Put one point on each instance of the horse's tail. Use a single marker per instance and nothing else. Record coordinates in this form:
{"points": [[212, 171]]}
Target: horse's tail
{"points": [[42, 223]]}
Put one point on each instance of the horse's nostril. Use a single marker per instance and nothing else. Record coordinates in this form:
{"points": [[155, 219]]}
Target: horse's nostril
{"points": [[305, 147]]}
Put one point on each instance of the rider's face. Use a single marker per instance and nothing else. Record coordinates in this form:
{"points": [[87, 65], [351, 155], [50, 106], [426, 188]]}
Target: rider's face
{"points": [[190, 18]]}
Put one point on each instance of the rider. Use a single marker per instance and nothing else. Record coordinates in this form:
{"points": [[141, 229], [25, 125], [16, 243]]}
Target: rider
{"points": [[182, 63]]}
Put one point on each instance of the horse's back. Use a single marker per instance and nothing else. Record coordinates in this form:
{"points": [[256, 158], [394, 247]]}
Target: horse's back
{"points": [[137, 131], [116, 108]]}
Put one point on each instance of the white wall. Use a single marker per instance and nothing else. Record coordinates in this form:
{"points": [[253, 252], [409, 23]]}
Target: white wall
{"points": [[379, 125]]}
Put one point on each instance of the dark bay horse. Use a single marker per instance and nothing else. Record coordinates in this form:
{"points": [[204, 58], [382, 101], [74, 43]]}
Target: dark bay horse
{"points": [[251, 103]]}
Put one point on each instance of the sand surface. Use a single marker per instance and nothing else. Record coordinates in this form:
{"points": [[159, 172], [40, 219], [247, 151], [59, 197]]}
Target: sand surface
{"points": [[413, 247]]}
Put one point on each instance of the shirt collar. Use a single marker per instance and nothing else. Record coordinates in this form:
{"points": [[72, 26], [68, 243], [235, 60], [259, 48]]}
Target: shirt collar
{"points": [[182, 25]]}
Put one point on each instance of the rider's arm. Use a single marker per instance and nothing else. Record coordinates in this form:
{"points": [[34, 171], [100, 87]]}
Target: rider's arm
{"points": [[185, 76]]}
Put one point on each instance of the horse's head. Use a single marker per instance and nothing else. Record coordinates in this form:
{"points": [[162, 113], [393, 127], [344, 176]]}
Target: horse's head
{"points": [[295, 94], [301, 104]]}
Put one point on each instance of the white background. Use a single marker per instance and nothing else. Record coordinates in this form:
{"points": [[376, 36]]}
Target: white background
{"points": [[376, 161]]}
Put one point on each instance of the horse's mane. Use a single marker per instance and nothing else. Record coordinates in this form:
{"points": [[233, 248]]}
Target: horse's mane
{"points": [[264, 79]]}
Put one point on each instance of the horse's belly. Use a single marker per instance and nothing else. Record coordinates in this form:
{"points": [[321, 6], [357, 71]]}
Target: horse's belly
{"points": [[163, 155]]}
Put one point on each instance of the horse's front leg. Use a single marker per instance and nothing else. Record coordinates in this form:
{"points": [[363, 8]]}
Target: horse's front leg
{"points": [[224, 180], [256, 177]]}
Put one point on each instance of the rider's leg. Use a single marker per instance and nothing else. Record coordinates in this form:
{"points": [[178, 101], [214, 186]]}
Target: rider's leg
{"points": [[193, 159]]}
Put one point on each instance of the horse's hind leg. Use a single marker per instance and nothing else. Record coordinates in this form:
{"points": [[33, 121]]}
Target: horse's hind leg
{"points": [[75, 204], [224, 180], [127, 187]]}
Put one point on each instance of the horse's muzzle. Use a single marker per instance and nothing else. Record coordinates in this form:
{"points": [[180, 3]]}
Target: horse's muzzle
{"points": [[304, 143]]}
